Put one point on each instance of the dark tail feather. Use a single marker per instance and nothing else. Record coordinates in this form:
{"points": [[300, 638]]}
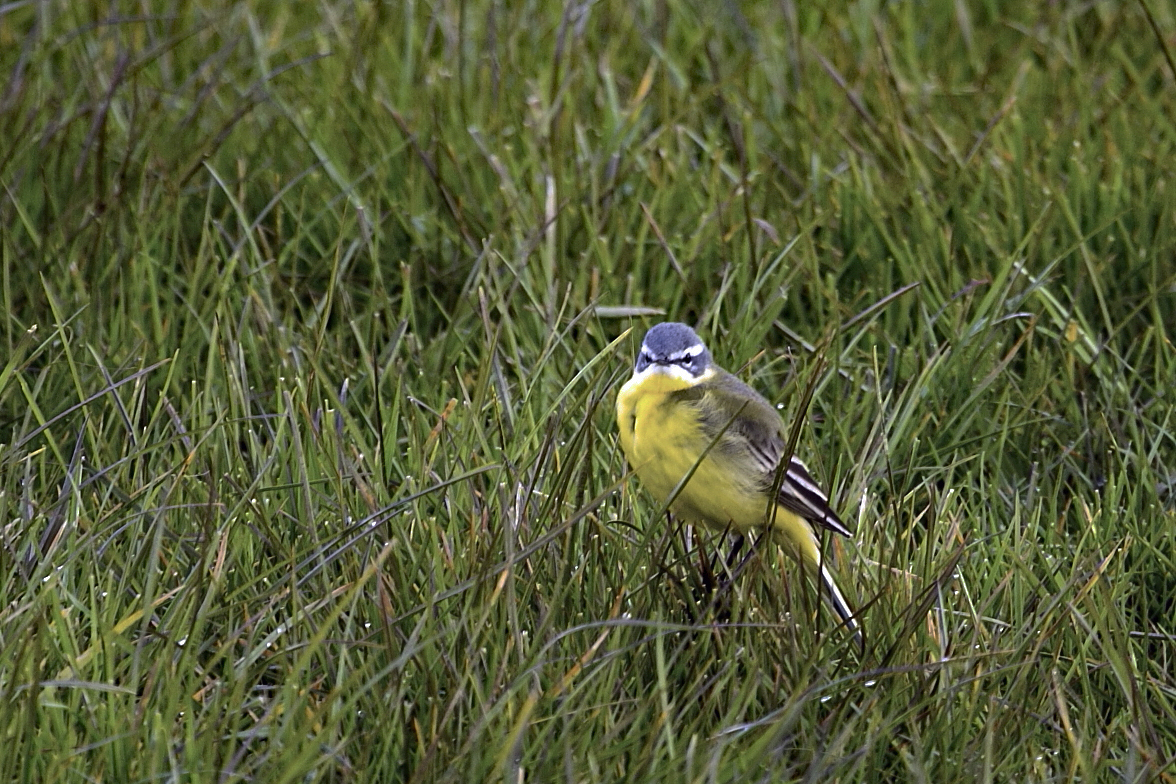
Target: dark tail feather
{"points": [[833, 596]]}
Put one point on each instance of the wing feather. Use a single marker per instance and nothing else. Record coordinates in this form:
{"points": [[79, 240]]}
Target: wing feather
{"points": [[799, 492], [759, 433]]}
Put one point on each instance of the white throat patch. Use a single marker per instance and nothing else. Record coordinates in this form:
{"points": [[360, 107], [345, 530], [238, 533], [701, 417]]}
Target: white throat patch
{"points": [[673, 371]]}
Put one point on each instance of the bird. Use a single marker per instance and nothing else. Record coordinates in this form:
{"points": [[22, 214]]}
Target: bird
{"points": [[680, 412]]}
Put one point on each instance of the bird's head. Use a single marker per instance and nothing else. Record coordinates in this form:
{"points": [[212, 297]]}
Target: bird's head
{"points": [[675, 350]]}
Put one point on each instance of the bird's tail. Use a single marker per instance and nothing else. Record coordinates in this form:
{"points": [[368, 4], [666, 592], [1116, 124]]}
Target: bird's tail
{"points": [[833, 596], [800, 540]]}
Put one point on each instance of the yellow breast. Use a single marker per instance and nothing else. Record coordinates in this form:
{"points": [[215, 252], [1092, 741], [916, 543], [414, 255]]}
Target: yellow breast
{"points": [[663, 438]]}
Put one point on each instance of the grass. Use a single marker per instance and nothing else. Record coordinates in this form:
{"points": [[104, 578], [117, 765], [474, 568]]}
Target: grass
{"points": [[315, 318]]}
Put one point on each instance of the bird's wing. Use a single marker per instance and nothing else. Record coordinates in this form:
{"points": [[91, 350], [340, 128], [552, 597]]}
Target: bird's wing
{"points": [[799, 492], [759, 432]]}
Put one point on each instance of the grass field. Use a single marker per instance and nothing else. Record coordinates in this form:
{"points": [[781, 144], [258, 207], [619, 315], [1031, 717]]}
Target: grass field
{"points": [[315, 317]]}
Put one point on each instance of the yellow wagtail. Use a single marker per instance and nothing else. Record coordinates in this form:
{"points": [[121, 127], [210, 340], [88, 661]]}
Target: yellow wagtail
{"points": [[680, 404]]}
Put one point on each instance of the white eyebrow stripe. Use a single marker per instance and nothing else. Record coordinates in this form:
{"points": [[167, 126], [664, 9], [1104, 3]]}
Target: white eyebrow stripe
{"points": [[687, 353]]}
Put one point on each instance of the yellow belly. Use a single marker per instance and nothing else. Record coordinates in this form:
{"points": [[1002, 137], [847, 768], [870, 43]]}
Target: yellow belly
{"points": [[662, 440]]}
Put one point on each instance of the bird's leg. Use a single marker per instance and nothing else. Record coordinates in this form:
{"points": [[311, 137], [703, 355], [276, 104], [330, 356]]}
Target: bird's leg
{"points": [[731, 569], [720, 602], [750, 552], [686, 591], [709, 583], [736, 546], [718, 564], [712, 591]]}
